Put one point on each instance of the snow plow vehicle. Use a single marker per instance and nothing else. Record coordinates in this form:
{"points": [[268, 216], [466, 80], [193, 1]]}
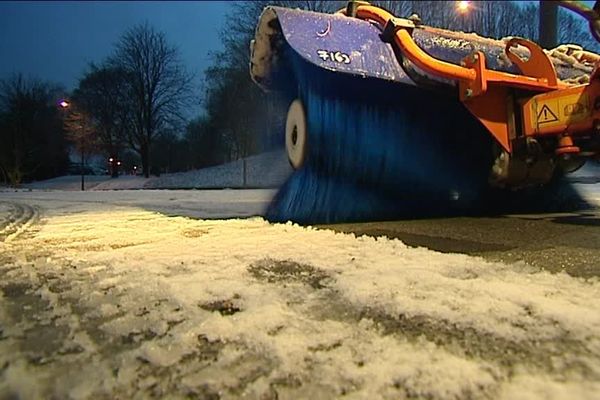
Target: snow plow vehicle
{"points": [[388, 115]]}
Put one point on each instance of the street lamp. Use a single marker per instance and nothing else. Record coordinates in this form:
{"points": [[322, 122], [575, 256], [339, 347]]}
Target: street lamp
{"points": [[65, 104], [463, 6]]}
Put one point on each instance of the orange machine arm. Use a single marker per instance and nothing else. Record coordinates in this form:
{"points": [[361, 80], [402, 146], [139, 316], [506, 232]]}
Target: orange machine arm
{"points": [[542, 75], [484, 92]]}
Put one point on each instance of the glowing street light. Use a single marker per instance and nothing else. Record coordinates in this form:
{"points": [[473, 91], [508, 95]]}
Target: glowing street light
{"points": [[463, 6], [65, 104]]}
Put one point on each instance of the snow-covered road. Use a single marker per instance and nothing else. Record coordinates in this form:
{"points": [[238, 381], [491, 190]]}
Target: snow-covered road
{"points": [[104, 297]]}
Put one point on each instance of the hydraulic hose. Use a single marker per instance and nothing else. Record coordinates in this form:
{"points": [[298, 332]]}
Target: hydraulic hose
{"points": [[404, 41]]}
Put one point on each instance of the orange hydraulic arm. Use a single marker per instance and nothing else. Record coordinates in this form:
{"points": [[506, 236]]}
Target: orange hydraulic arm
{"points": [[554, 108]]}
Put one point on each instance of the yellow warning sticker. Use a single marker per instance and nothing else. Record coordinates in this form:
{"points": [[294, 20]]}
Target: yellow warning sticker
{"points": [[546, 115], [549, 112]]}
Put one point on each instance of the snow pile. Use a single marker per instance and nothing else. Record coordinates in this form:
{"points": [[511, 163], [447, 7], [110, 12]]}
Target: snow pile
{"points": [[147, 305]]}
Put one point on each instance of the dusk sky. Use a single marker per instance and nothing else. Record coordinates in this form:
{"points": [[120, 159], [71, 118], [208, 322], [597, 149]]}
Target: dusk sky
{"points": [[55, 41]]}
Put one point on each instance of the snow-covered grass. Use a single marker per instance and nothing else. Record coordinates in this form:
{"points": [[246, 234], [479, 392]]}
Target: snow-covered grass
{"points": [[102, 299], [267, 170], [67, 182]]}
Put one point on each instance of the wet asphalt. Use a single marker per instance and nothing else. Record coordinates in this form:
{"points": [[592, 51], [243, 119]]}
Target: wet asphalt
{"points": [[568, 242], [560, 234]]}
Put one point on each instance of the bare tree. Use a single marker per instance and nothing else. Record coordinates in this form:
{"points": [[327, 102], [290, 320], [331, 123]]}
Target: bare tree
{"points": [[103, 94], [203, 148], [573, 29], [31, 138], [158, 85]]}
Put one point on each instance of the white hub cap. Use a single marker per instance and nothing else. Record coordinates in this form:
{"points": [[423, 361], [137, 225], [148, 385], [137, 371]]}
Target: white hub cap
{"points": [[295, 134]]}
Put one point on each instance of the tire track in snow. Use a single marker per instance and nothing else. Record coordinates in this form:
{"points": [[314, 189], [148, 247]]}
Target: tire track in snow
{"points": [[16, 220]]}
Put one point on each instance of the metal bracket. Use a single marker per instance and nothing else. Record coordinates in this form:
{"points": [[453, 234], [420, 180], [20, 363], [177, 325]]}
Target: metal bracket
{"points": [[393, 25], [537, 66]]}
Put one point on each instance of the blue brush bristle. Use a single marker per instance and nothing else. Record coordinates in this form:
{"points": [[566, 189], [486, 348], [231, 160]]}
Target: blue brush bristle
{"points": [[379, 150]]}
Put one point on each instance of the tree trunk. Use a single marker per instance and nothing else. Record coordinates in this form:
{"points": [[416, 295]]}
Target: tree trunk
{"points": [[82, 169], [548, 23], [145, 155], [113, 164]]}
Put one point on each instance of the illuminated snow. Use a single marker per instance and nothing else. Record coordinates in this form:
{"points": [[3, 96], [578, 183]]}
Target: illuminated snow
{"points": [[156, 305]]}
